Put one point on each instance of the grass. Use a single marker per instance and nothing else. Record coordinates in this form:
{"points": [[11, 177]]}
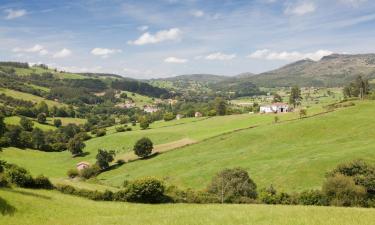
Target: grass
{"points": [[50, 207], [140, 100], [15, 120], [29, 97], [67, 120], [293, 156], [40, 70]]}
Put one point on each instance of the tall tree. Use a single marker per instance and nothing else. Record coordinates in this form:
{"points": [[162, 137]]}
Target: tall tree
{"points": [[2, 125], [277, 98], [220, 106], [76, 145], [38, 138], [103, 158], [295, 96], [26, 124]]}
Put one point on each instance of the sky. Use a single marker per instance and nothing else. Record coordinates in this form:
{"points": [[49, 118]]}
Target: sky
{"points": [[161, 38]]}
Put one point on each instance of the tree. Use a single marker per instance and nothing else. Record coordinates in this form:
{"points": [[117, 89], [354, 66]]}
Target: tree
{"points": [[143, 147], [57, 122], [146, 190], [42, 118], [26, 124], [302, 113], [42, 107], [277, 98], [168, 116], [144, 124], [103, 158], [276, 119], [76, 145], [342, 191], [220, 106], [295, 96], [2, 125], [38, 138], [232, 184]]}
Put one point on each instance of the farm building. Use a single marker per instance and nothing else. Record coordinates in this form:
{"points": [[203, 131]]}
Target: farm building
{"points": [[275, 108], [150, 109], [82, 165]]}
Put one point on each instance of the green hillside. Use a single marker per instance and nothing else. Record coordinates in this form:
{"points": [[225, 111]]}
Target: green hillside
{"points": [[293, 156], [33, 207]]}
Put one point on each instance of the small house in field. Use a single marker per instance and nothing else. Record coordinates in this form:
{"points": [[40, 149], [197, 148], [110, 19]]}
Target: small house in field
{"points": [[198, 114], [275, 108], [82, 165]]}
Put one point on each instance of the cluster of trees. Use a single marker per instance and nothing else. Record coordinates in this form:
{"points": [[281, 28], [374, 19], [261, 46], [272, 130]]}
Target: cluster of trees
{"points": [[140, 88], [358, 88], [68, 137]]}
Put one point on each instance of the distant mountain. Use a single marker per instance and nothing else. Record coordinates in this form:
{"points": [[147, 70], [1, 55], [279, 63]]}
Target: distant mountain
{"points": [[332, 70], [202, 78], [245, 75]]}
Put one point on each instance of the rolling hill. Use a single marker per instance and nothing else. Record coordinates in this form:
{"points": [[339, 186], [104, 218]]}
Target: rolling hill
{"points": [[333, 70]]}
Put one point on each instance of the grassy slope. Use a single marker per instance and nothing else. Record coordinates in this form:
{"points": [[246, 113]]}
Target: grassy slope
{"points": [[161, 132], [49, 207], [15, 120], [293, 156], [29, 97]]}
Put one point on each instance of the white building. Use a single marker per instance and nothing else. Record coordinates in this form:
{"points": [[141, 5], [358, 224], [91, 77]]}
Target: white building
{"points": [[275, 108], [150, 109]]}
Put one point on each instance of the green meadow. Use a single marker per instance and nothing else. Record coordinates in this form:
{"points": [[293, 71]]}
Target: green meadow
{"points": [[29, 97], [34, 207]]}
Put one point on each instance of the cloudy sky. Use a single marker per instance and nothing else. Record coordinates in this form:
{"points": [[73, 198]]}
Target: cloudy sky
{"points": [[160, 38]]}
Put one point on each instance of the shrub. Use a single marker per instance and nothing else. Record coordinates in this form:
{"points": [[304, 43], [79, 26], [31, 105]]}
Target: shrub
{"points": [[312, 197], [120, 162], [128, 129], [101, 132], [169, 116], [42, 118], [18, 176], [120, 129], [42, 182], [143, 147], [72, 173], [144, 124], [103, 158], [342, 191], [57, 122], [3, 181], [76, 145], [147, 190], [231, 184], [89, 172]]}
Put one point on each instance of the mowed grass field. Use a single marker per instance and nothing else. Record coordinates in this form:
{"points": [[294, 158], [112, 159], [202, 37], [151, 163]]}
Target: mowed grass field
{"points": [[293, 156], [32, 207], [15, 120]]}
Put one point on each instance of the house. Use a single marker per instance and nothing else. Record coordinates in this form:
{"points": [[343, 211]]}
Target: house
{"points": [[126, 105], [179, 116], [198, 114], [82, 165], [275, 108], [150, 109]]}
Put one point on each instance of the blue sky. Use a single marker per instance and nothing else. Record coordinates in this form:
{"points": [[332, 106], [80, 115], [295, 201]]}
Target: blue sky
{"points": [[160, 38]]}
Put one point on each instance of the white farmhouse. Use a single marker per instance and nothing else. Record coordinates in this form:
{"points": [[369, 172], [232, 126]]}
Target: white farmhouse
{"points": [[274, 108]]}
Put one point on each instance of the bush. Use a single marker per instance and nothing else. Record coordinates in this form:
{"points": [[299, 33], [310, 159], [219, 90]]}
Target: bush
{"points": [[72, 173], [231, 184], [89, 172], [101, 132], [120, 129], [3, 181], [144, 124], [57, 122], [42, 118], [169, 116], [342, 191], [312, 197], [147, 190], [103, 158], [42, 182], [143, 147], [18, 176]]}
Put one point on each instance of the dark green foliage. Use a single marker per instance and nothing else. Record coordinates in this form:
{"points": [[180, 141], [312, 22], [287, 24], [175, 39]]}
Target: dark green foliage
{"points": [[358, 88], [231, 184], [18, 176], [271, 196], [313, 197], [101, 132], [38, 138], [143, 147], [89, 172], [147, 190], [139, 87], [277, 98], [42, 118], [26, 124], [2, 125], [341, 190], [72, 173], [295, 96], [103, 158], [120, 129], [42, 182], [13, 135], [144, 124], [169, 116], [57, 123], [76, 146], [220, 106]]}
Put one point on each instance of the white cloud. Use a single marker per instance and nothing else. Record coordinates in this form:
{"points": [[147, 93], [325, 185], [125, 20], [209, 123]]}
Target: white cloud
{"points": [[197, 13], [160, 36], [300, 8], [143, 28], [13, 14], [104, 52], [62, 53], [35, 49], [220, 56], [288, 56], [175, 60]]}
